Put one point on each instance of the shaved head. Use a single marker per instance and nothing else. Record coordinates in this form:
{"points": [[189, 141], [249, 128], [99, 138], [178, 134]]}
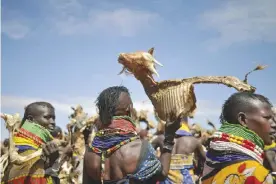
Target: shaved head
{"points": [[42, 113], [252, 111], [241, 102]]}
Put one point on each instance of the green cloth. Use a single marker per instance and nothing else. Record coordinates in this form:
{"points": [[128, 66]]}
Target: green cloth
{"points": [[244, 132], [37, 130]]}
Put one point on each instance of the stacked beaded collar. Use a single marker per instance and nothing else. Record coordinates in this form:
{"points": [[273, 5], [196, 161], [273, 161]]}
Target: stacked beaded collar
{"points": [[120, 132], [234, 137], [31, 136], [112, 137]]}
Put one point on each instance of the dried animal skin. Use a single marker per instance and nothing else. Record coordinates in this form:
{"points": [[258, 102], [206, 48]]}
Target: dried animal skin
{"points": [[4, 161], [78, 117], [172, 98], [142, 115], [12, 124]]}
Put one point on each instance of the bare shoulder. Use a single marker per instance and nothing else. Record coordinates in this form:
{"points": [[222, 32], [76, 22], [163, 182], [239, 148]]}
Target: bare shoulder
{"points": [[126, 158], [129, 155], [90, 158], [191, 139], [131, 150]]}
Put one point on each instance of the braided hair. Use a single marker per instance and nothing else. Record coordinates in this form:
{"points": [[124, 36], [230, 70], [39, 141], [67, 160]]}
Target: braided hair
{"points": [[107, 102]]}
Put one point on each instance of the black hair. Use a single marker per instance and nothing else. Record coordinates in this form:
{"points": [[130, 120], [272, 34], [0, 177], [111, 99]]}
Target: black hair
{"points": [[56, 131], [107, 102], [29, 109], [240, 102]]}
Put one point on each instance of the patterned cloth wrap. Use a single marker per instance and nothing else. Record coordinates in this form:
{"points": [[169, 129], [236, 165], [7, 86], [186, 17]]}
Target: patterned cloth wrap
{"points": [[235, 163], [148, 167], [181, 170], [122, 131], [27, 140], [181, 166]]}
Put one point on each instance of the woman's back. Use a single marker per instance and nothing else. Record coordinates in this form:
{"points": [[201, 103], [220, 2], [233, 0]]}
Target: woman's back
{"points": [[117, 166]]}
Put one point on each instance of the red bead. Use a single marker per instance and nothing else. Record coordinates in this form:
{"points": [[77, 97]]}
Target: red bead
{"points": [[249, 143], [225, 135], [262, 155], [225, 139]]}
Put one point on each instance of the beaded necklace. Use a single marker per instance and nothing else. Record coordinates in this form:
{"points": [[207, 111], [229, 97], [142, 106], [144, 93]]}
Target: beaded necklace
{"points": [[241, 131], [222, 141], [31, 135], [108, 140]]}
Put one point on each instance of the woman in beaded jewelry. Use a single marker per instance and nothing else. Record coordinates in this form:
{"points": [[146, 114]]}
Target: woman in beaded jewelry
{"points": [[237, 149], [117, 154], [35, 133]]}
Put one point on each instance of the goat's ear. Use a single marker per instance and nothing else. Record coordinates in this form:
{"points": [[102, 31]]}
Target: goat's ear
{"points": [[151, 50]]}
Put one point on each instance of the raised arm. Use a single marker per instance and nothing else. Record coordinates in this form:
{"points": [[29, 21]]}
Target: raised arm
{"points": [[168, 144]]}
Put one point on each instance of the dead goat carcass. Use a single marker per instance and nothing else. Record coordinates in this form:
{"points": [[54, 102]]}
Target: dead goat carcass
{"points": [[172, 98]]}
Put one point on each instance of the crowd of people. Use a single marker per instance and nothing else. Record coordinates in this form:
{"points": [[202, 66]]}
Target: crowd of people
{"points": [[112, 148]]}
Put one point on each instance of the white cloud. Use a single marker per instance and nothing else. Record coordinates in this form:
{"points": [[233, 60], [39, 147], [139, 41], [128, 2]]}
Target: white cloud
{"points": [[15, 29], [62, 105], [18, 103], [239, 21], [205, 108], [14, 24], [73, 18]]}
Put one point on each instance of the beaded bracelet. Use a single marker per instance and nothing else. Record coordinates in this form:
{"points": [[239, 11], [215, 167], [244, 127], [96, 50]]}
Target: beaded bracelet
{"points": [[168, 148], [169, 138], [168, 143]]}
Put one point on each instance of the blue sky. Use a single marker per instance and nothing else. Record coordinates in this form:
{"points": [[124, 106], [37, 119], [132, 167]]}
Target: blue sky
{"points": [[65, 51]]}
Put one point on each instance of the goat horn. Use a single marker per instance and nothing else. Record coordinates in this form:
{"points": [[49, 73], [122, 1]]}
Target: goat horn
{"points": [[152, 69], [155, 61], [3, 116]]}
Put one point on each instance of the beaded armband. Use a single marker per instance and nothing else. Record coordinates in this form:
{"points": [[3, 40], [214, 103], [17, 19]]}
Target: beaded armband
{"points": [[169, 139], [168, 143], [168, 148]]}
